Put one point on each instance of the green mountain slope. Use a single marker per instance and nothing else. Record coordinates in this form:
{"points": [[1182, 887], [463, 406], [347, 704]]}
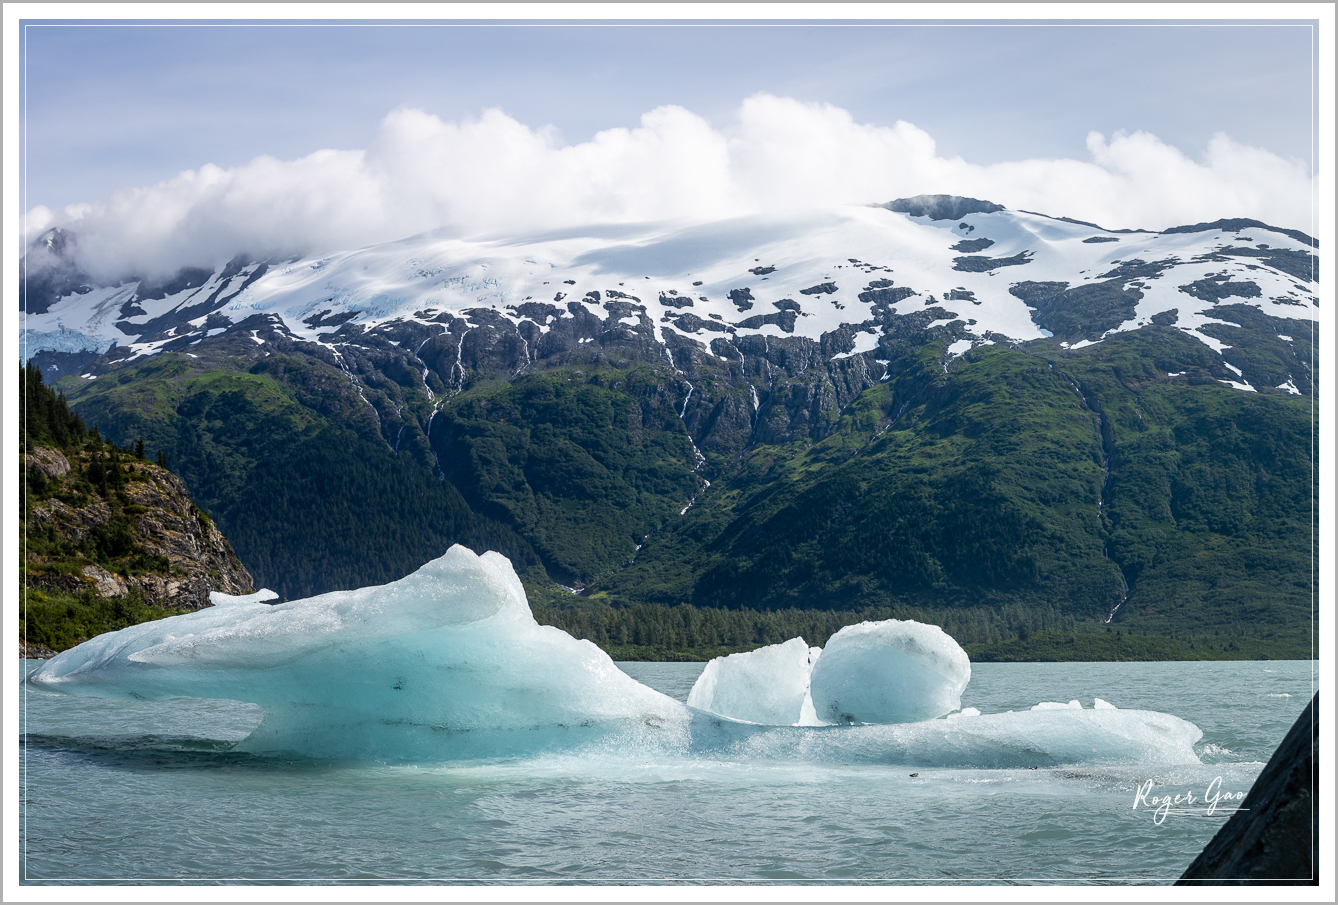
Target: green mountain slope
{"points": [[1031, 498], [311, 504], [1030, 476]]}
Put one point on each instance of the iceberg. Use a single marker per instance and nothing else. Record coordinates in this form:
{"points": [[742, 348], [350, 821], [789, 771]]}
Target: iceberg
{"points": [[449, 664], [889, 672], [767, 686], [445, 662]]}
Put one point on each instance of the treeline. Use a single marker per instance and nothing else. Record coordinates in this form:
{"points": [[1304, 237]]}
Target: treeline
{"points": [[1011, 633], [47, 419], [687, 632], [1113, 644]]}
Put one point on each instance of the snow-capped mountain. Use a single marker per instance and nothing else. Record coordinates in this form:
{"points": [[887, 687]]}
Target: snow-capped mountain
{"points": [[844, 274], [935, 402]]}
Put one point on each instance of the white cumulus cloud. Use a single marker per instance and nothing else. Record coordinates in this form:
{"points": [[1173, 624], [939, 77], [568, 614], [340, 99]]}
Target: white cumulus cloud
{"points": [[493, 175]]}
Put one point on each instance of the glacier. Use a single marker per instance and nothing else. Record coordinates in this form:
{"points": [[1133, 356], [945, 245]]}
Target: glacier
{"points": [[449, 664], [415, 279]]}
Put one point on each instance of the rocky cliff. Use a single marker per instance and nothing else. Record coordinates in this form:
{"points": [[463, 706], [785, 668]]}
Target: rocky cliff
{"points": [[143, 535]]}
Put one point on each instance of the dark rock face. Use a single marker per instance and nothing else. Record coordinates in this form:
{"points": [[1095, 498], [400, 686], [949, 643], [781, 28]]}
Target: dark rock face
{"points": [[783, 319], [1216, 288], [1097, 239], [1264, 358], [325, 319], [1293, 262], [941, 207], [691, 323], [885, 295], [1239, 224], [185, 278], [742, 298], [973, 245], [1138, 269], [1274, 837], [166, 523], [674, 300], [58, 364], [981, 264], [34, 651], [1083, 312]]}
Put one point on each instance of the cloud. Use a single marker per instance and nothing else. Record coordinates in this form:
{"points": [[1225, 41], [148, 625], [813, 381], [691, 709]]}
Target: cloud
{"points": [[493, 175]]}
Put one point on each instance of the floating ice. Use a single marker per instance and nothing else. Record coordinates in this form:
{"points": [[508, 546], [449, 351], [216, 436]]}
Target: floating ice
{"points": [[218, 598], [889, 672], [768, 685], [1045, 738], [449, 663]]}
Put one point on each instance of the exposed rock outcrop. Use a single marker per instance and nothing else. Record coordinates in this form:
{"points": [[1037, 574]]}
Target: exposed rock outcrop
{"points": [[941, 207], [48, 461], [162, 521]]}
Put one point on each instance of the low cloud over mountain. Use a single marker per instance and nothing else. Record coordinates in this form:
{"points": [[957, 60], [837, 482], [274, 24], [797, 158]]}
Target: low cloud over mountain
{"points": [[495, 175]]}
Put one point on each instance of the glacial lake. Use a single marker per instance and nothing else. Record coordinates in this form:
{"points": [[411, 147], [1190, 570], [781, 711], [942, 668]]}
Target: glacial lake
{"points": [[127, 793]]}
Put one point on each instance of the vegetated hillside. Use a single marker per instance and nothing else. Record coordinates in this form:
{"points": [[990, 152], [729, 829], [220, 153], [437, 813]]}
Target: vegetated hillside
{"points": [[1118, 444], [309, 494], [108, 539], [1086, 482]]}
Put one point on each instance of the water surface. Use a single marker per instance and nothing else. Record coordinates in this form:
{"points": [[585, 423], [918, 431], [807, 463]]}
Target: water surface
{"points": [[136, 793]]}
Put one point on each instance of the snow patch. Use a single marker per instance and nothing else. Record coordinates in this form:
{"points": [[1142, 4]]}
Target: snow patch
{"points": [[959, 347]]}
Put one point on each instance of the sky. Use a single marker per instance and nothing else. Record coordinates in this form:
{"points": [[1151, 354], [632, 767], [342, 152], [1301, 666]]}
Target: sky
{"points": [[169, 144]]}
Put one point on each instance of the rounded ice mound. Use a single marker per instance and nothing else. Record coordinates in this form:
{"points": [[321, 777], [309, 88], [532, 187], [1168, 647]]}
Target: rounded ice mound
{"points": [[889, 672], [768, 685]]}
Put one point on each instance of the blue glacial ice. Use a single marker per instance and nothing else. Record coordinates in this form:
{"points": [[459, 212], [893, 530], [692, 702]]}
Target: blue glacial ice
{"points": [[448, 663]]}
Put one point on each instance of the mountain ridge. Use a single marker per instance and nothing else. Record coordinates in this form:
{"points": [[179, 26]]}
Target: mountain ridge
{"points": [[663, 366]]}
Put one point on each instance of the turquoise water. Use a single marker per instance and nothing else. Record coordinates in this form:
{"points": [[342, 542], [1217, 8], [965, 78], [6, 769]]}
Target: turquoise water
{"points": [[136, 793]]}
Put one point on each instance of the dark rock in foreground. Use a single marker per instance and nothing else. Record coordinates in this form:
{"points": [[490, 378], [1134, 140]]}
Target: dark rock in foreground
{"points": [[1274, 837]]}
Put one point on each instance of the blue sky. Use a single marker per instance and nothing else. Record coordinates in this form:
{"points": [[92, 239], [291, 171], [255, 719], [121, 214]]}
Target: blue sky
{"points": [[164, 145], [119, 104]]}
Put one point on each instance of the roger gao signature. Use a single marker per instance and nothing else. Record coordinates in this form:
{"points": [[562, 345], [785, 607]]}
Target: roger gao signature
{"points": [[1186, 803]]}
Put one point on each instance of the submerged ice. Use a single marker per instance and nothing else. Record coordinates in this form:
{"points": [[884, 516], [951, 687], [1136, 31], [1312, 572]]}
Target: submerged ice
{"points": [[449, 663]]}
